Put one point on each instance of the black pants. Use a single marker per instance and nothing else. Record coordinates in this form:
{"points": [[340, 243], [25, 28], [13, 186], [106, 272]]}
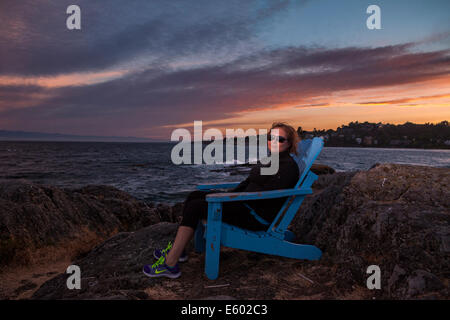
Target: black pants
{"points": [[235, 213]]}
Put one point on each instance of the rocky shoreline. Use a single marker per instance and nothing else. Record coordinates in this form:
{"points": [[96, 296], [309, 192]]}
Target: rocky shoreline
{"points": [[394, 216]]}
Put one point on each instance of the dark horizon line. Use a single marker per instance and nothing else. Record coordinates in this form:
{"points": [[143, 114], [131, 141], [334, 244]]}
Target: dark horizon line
{"points": [[15, 135], [62, 137]]}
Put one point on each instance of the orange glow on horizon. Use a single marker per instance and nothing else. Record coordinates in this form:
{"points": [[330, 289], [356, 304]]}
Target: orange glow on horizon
{"points": [[393, 104]]}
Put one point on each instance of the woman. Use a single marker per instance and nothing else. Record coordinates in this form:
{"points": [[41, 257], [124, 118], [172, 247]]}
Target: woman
{"points": [[238, 213]]}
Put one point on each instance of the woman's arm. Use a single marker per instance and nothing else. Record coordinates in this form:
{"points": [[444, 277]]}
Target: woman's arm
{"points": [[251, 177], [241, 187], [286, 177]]}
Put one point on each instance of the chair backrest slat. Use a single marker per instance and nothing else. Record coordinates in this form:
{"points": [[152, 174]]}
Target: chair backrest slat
{"points": [[308, 151], [295, 205]]}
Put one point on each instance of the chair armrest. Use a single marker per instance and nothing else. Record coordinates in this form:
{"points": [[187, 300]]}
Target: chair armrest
{"points": [[209, 186], [239, 196]]}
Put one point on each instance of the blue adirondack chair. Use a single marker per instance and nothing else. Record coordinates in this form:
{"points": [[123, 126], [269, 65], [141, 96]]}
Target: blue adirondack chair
{"points": [[276, 239]]}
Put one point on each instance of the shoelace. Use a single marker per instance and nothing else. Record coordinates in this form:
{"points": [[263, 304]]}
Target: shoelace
{"points": [[169, 246], [159, 262]]}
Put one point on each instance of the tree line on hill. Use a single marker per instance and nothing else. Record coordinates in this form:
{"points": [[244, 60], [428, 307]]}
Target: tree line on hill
{"points": [[365, 134], [382, 135]]}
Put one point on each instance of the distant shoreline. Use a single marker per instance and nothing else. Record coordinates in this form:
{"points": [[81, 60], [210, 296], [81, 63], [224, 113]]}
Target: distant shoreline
{"points": [[175, 142]]}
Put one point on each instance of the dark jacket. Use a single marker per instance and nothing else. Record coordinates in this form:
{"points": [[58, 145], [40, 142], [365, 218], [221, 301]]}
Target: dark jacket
{"points": [[286, 178]]}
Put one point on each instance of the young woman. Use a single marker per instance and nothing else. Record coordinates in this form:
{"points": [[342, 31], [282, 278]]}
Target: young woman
{"points": [[237, 213]]}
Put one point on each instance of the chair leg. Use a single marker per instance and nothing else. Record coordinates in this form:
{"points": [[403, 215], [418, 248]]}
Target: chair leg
{"points": [[213, 240], [298, 251], [199, 238]]}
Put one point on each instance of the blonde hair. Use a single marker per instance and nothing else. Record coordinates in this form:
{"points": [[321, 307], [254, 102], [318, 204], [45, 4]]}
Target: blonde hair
{"points": [[292, 135]]}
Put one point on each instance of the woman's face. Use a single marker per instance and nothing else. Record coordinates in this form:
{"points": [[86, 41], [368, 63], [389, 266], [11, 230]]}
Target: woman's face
{"points": [[275, 145]]}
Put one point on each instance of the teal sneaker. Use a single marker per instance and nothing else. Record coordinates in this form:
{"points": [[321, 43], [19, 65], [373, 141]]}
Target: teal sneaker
{"points": [[158, 253], [161, 269]]}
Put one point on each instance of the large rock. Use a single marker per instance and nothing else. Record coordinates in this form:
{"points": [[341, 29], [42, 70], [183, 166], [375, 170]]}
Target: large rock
{"points": [[37, 219], [113, 270], [393, 216], [320, 169]]}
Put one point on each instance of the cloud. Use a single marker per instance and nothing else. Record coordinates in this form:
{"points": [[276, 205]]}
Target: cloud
{"points": [[179, 62], [156, 97], [34, 39], [405, 100]]}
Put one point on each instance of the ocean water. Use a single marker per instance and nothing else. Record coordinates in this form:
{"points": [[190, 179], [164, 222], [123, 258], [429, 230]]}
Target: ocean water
{"points": [[146, 171]]}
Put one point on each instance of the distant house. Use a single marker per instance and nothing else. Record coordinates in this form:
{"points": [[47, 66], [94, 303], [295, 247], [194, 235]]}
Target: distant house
{"points": [[395, 142], [347, 130], [367, 140]]}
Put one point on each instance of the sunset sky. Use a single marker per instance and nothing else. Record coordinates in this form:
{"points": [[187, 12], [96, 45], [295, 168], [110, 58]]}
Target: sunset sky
{"points": [[144, 68]]}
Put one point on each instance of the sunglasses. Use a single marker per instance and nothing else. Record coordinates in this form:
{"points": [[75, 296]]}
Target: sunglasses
{"points": [[280, 139]]}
